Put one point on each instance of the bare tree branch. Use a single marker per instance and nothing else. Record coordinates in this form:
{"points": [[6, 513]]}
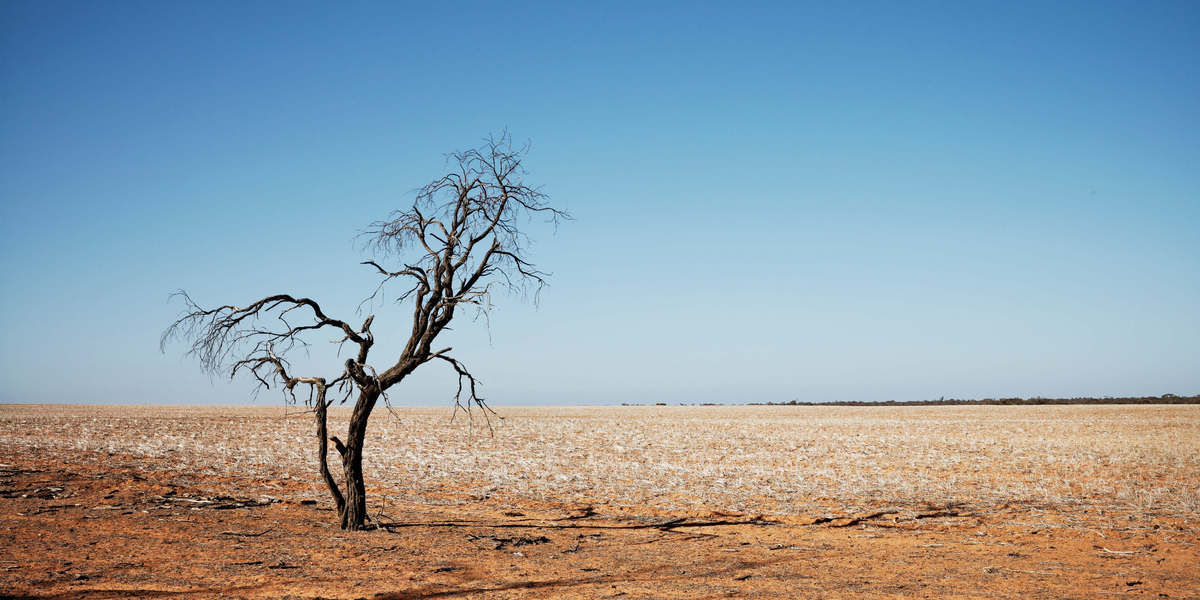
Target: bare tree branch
{"points": [[462, 238], [231, 337]]}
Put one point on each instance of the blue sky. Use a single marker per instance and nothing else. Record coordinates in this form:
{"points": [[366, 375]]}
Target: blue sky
{"points": [[831, 201]]}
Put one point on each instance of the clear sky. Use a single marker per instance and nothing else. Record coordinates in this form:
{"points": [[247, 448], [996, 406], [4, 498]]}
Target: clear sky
{"points": [[827, 201]]}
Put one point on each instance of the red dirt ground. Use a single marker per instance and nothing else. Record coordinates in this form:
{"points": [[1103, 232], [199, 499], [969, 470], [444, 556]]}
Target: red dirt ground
{"points": [[73, 528]]}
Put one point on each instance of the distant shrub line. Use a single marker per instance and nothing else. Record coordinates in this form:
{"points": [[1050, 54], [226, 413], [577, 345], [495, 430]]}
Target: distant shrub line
{"points": [[1034, 401]]}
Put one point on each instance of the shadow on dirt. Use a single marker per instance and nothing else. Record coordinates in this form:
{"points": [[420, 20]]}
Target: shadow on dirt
{"points": [[670, 524], [650, 574], [114, 593], [99, 594]]}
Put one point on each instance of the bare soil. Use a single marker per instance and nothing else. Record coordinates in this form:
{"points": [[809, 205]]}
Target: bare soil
{"points": [[77, 522]]}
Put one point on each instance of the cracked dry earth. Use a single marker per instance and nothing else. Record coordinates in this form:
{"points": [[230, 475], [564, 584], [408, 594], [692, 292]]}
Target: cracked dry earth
{"points": [[87, 524]]}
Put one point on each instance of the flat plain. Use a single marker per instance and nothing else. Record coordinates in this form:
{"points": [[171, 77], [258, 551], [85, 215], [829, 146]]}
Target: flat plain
{"points": [[105, 501]]}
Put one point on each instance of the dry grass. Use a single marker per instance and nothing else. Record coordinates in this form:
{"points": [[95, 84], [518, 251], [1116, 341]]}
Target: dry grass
{"points": [[780, 460]]}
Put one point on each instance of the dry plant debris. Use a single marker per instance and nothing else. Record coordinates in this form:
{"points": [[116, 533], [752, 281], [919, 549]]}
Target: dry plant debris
{"points": [[760, 459], [672, 502]]}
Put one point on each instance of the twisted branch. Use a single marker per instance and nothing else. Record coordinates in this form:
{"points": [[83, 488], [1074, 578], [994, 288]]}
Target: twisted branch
{"points": [[462, 235]]}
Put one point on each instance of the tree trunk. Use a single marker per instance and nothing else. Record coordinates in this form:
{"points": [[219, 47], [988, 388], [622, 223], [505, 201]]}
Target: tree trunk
{"points": [[354, 513], [323, 452]]}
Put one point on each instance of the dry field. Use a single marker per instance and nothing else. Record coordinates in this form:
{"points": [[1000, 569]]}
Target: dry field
{"points": [[671, 502]]}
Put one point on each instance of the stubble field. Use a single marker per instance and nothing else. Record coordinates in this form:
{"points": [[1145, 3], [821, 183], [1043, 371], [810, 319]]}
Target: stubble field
{"points": [[636, 502]]}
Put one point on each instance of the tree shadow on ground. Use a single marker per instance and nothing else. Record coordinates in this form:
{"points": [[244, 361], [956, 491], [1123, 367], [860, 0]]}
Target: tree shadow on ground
{"points": [[100, 594], [667, 525], [114, 593], [653, 573]]}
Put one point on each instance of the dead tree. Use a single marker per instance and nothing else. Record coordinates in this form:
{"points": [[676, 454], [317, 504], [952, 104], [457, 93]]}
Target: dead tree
{"points": [[460, 241]]}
